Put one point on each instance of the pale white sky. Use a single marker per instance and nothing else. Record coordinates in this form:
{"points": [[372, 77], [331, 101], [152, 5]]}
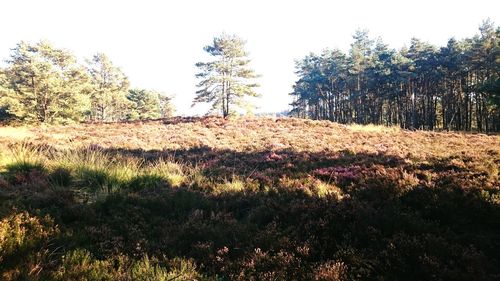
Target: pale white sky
{"points": [[157, 43]]}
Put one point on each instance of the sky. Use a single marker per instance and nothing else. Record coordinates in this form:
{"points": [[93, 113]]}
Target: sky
{"points": [[157, 43]]}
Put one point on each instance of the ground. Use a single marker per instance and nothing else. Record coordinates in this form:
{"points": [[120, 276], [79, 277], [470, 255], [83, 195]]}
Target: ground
{"points": [[247, 199]]}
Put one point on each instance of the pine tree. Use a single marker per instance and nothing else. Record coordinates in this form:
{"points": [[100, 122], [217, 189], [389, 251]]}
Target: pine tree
{"points": [[45, 84], [109, 90], [166, 107], [4, 96], [421, 87], [145, 104], [226, 80]]}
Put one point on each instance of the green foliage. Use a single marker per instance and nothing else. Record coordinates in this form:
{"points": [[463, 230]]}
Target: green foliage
{"points": [[148, 181], [171, 172], [91, 169], [166, 107], [492, 88], [227, 79], [424, 87], [145, 104], [44, 84], [109, 90], [4, 94], [25, 166]]}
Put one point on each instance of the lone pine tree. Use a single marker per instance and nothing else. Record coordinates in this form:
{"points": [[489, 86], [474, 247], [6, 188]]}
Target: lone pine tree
{"points": [[228, 79]]}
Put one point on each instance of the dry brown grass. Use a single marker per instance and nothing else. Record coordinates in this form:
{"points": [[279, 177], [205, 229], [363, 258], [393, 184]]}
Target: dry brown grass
{"points": [[258, 134]]}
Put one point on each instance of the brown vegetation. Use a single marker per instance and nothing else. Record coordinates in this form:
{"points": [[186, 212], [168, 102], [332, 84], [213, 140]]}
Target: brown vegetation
{"points": [[247, 199]]}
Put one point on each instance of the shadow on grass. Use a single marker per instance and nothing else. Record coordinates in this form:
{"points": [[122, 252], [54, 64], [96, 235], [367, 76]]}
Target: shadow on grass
{"points": [[224, 163], [391, 222]]}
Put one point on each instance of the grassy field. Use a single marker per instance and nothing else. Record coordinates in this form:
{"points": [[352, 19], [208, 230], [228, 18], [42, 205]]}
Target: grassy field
{"points": [[247, 199]]}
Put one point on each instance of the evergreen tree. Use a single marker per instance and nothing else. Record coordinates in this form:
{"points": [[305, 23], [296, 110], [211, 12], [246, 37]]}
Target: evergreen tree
{"points": [[145, 104], [227, 79], [44, 84], [421, 87], [360, 56], [109, 90], [166, 107], [4, 93]]}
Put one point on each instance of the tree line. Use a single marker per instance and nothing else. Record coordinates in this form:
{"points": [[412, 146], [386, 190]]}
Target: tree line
{"points": [[42, 83], [454, 87]]}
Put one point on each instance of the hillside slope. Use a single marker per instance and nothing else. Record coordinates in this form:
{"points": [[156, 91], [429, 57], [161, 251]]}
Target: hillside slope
{"points": [[248, 199], [251, 134]]}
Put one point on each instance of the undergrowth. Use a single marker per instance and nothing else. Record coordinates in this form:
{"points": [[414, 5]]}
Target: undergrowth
{"points": [[347, 203]]}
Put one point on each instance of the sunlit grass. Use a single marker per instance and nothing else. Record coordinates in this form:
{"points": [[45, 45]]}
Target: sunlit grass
{"points": [[78, 264], [373, 128], [323, 189], [98, 170], [16, 133], [231, 186], [170, 171]]}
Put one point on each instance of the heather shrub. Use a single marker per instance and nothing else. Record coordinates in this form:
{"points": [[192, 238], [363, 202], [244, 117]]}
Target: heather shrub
{"points": [[80, 265], [264, 265], [26, 173], [23, 231], [240, 199], [24, 242], [3, 182], [60, 177], [331, 271], [148, 269]]}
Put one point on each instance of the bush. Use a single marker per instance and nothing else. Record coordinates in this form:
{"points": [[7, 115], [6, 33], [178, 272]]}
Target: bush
{"points": [[26, 173], [24, 239]]}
